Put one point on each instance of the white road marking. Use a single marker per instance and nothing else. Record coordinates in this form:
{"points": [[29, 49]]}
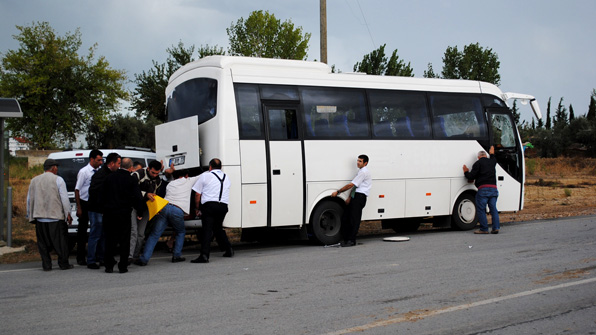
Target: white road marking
{"points": [[421, 314]]}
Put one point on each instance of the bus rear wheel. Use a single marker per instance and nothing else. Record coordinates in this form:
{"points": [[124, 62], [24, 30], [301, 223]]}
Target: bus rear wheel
{"points": [[464, 213], [325, 223]]}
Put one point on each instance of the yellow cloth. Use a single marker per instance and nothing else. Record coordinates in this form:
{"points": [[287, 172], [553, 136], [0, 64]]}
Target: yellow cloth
{"points": [[155, 206]]}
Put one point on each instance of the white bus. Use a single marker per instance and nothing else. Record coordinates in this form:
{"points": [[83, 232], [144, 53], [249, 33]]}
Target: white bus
{"points": [[289, 132]]}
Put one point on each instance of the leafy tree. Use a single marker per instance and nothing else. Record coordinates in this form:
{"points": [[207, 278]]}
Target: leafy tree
{"points": [[592, 107], [560, 119], [473, 63], [571, 113], [515, 112], [125, 131], [263, 35], [540, 123], [149, 95], [376, 63], [60, 92], [429, 72]]}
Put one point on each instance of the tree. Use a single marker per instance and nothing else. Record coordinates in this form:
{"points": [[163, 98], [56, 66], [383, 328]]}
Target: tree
{"points": [[548, 120], [429, 72], [125, 131], [473, 63], [571, 113], [515, 113], [262, 35], [149, 99], [560, 120], [60, 92], [376, 63], [592, 107]]}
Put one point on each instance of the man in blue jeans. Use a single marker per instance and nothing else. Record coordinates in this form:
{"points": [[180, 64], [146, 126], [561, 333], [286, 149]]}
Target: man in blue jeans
{"points": [[484, 175], [178, 196]]}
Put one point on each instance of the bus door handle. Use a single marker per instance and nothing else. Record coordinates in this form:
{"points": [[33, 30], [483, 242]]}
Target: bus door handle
{"points": [[501, 178], [276, 172]]}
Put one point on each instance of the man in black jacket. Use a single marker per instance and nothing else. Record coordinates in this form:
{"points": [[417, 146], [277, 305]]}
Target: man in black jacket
{"points": [[120, 194], [96, 244], [484, 174]]}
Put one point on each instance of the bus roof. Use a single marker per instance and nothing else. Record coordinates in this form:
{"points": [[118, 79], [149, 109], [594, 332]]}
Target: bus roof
{"points": [[298, 72], [284, 71]]}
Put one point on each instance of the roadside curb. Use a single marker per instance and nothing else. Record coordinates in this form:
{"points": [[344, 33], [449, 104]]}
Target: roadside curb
{"points": [[8, 250]]}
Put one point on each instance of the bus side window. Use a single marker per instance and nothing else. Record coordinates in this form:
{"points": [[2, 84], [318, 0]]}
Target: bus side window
{"points": [[399, 114], [248, 106], [457, 116], [334, 113]]}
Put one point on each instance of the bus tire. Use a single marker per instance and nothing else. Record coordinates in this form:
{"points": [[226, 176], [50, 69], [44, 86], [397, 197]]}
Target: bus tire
{"points": [[325, 223], [464, 215]]}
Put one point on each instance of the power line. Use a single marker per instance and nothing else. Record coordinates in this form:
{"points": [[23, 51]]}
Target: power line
{"points": [[366, 23]]}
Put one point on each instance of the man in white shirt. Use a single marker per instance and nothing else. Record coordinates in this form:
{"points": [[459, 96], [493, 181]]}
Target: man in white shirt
{"points": [[178, 194], [213, 195], [49, 209], [82, 197], [352, 216]]}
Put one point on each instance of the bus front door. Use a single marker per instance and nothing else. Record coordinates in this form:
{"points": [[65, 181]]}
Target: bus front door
{"points": [[509, 157], [285, 167]]}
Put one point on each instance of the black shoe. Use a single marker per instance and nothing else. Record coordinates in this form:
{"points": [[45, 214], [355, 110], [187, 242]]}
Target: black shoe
{"points": [[347, 244], [178, 259], [82, 263], [130, 261], [102, 263], [139, 263], [229, 253], [47, 269], [200, 259], [68, 267], [494, 231], [123, 270], [93, 266], [109, 270]]}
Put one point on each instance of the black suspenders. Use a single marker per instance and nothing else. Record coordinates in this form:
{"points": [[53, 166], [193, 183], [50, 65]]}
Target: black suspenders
{"points": [[221, 181]]}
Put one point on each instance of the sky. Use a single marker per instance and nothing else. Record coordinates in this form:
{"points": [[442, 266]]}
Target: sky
{"points": [[546, 48]]}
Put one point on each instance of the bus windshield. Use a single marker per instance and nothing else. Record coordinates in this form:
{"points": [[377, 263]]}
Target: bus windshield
{"points": [[194, 97]]}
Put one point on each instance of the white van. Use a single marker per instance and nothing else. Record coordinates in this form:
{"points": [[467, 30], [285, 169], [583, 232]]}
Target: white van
{"points": [[73, 160]]}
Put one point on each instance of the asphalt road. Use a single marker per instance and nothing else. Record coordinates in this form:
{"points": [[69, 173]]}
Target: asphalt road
{"points": [[533, 278]]}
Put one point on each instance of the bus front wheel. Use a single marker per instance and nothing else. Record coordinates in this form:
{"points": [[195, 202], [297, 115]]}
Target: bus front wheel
{"points": [[464, 213], [326, 222]]}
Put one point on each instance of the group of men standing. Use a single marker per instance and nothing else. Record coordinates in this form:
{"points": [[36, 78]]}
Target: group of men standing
{"points": [[110, 200]]}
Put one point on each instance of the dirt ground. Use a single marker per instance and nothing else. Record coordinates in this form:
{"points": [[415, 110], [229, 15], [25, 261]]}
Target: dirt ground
{"points": [[555, 188]]}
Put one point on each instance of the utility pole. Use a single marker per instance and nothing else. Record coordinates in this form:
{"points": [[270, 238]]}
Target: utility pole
{"points": [[323, 31]]}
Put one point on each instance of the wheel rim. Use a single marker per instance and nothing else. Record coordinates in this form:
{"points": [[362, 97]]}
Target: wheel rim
{"points": [[329, 222], [467, 211]]}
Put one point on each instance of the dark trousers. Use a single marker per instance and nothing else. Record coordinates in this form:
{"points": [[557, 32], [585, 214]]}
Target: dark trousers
{"points": [[52, 235], [350, 221], [213, 214], [117, 233], [82, 232]]}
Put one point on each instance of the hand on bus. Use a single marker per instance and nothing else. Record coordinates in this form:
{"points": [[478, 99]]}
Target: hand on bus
{"points": [[466, 168], [69, 219], [491, 151], [169, 171]]}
